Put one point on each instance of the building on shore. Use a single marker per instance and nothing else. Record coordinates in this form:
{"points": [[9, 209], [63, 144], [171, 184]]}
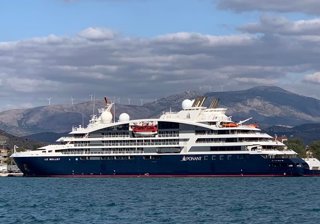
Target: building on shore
{"points": [[7, 165], [4, 156]]}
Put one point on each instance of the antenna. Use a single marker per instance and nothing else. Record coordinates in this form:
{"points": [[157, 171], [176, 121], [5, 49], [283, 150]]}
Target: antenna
{"points": [[214, 103], [106, 100], [15, 148], [94, 103], [141, 102], [129, 101], [241, 122], [49, 100], [198, 102], [114, 111], [82, 119]]}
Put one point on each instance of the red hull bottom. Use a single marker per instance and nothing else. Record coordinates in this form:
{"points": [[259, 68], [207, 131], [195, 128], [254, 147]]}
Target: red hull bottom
{"points": [[167, 176]]}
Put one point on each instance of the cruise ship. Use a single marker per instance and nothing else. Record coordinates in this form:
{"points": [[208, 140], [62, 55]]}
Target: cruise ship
{"points": [[196, 141]]}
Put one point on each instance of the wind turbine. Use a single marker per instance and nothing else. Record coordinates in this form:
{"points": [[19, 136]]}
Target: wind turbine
{"points": [[49, 100], [72, 100]]}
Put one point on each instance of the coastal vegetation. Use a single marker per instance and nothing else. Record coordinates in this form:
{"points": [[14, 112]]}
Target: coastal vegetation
{"points": [[311, 150]]}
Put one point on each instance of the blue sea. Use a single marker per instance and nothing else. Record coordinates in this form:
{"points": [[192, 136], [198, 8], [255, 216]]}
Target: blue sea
{"points": [[160, 200]]}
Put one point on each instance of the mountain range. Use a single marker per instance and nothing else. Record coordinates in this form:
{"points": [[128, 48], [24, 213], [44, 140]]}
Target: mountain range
{"points": [[268, 105], [8, 141]]}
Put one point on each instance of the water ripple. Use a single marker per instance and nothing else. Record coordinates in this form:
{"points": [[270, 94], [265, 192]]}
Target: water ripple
{"points": [[159, 200]]}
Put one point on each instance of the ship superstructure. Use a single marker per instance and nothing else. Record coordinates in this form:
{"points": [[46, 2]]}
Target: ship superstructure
{"points": [[196, 141]]}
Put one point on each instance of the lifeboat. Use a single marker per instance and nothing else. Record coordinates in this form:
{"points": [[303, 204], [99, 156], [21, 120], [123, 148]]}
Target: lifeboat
{"points": [[230, 125], [145, 130], [253, 125]]}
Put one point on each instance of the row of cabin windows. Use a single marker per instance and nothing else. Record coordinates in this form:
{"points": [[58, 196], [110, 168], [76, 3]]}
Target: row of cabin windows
{"points": [[271, 147], [119, 151], [127, 134], [115, 134], [225, 148], [213, 157], [208, 140], [102, 151], [131, 142], [168, 133], [229, 157], [107, 158], [143, 142], [117, 157], [279, 156], [223, 132]]}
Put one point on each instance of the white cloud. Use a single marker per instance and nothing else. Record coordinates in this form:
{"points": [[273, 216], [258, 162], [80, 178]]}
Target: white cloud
{"points": [[77, 66], [29, 85], [283, 26], [94, 33], [313, 78], [305, 6], [256, 81], [184, 37]]}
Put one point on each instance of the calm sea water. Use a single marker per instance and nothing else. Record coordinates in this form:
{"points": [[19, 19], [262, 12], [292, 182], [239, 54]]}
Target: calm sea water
{"points": [[160, 200]]}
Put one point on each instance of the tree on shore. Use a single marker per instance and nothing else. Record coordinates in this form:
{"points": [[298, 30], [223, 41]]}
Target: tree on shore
{"points": [[314, 148], [296, 145]]}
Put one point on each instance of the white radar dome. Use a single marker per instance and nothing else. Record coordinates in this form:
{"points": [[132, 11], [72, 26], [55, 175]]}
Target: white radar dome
{"points": [[186, 104], [106, 117], [124, 117]]}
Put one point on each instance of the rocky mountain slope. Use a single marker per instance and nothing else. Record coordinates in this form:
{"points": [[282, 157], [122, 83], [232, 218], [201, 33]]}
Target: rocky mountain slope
{"points": [[268, 106], [57, 118], [306, 132], [8, 141]]}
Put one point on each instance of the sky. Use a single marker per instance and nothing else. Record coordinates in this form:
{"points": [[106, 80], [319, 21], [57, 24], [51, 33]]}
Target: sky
{"points": [[135, 51]]}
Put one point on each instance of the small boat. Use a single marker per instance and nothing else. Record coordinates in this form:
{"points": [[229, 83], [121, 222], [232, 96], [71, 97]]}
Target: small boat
{"points": [[230, 125], [253, 125], [145, 130]]}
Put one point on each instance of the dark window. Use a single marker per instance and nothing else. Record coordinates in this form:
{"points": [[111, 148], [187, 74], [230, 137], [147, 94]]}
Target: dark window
{"points": [[223, 132], [168, 125], [225, 148], [231, 140]]}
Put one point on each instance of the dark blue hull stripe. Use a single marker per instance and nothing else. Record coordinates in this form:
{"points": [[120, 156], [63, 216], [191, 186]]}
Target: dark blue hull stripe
{"points": [[162, 166]]}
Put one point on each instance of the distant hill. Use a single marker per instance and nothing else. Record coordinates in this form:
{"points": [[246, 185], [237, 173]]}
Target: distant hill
{"points": [[46, 137], [8, 141], [58, 118], [307, 132], [268, 105]]}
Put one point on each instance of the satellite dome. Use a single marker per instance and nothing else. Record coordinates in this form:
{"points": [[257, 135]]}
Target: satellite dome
{"points": [[124, 117], [106, 117], [186, 104]]}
